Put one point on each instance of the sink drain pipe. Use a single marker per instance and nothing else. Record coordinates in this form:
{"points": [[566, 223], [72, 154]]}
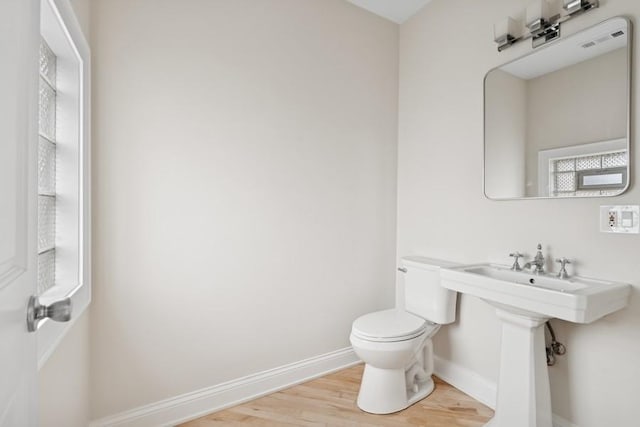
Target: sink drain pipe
{"points": [[555, 348]]}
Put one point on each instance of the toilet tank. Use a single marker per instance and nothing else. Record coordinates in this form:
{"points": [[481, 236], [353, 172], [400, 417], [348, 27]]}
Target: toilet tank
{"points": [[423, 294]]}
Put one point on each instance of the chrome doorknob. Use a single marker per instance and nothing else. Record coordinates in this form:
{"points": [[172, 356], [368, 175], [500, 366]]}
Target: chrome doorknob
{"points": [[60, 311]]}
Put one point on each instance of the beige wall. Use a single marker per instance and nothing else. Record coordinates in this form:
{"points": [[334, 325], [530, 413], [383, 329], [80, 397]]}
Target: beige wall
{"points": [[443, 213], [244, 188], [63, 381], [82, 9]]}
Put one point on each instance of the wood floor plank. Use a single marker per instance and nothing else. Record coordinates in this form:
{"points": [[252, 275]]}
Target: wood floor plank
{"points": [[331, 401]]}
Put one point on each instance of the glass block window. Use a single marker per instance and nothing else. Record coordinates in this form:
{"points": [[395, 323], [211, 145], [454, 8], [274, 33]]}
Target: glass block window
{"points": [[46, 170], [564, 172]]}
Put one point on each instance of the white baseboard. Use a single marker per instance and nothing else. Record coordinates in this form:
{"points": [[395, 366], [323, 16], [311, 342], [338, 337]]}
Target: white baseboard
{"points": [[558, 421], [466, 381], [199, 403], [196, 404], [476, 386]]}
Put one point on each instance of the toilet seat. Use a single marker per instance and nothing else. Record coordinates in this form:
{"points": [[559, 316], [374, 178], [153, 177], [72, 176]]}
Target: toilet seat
{"points": [[390, 326]]}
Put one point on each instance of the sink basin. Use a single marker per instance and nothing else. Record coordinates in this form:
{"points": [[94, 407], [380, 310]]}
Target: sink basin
{"points": [[576, 299]]}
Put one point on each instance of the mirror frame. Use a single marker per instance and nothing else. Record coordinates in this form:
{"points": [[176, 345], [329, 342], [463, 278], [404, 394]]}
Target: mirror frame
{"points": [[629, 85]]}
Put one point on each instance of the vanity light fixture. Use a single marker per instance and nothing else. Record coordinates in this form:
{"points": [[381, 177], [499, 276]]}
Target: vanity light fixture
{"points": [[542, 22], [543, 27], [538, 16], [576, 6], [504, 32]]}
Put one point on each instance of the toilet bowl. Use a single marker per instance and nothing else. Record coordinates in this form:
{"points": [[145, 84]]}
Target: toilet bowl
{"points": [[398, 366], [396, 345]]}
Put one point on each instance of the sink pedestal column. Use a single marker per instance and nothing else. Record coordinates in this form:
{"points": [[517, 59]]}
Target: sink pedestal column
{"points": [[524, 399]]}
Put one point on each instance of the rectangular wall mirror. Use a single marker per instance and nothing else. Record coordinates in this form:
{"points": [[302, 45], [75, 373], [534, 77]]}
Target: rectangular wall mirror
{"points": [[557, 120]]}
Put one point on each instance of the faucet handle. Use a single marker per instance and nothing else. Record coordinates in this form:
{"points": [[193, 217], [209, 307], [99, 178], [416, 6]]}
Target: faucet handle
{"points": [[516, 265], [563, 270]]}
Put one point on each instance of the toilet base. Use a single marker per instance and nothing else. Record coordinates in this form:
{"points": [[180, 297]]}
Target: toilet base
{"points": [[383, 391]]}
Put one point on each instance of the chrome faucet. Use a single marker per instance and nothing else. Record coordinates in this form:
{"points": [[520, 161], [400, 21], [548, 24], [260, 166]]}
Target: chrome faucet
{"points": [[516, 264], [537, 264], [562, 274]]}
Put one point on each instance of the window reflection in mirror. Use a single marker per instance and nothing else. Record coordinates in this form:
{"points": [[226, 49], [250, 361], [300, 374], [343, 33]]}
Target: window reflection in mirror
{"points": [[557, 120]]}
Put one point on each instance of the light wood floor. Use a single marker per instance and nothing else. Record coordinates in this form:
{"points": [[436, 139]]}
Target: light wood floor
{"points": [[330, 401]]}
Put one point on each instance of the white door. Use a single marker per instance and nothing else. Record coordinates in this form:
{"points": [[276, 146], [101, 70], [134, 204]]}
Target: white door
{"points": [[19, 35]]}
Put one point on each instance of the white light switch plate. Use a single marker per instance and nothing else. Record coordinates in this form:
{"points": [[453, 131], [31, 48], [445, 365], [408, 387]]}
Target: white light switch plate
{"points": [[620, 219]]}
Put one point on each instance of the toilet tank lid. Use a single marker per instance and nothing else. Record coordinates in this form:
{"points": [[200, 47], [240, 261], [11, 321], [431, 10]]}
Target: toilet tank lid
{"points": [[426, 263]]}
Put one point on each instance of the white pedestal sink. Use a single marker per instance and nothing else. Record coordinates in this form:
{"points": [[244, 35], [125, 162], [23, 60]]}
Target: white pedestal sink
{"points": [[524, 302]]}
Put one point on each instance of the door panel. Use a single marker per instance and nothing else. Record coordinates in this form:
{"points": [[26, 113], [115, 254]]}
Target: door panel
{"points": [[19, 29]]}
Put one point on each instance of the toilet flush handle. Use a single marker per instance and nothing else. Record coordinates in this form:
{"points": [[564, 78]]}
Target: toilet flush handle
{"points": [[402, 269]]}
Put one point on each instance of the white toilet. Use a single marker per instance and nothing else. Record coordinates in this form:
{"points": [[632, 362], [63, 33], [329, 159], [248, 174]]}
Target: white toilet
{"points": [[395, 344]]}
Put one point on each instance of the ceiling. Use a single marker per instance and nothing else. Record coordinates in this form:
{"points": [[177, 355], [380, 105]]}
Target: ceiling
{"points": [[397, 11], [587, 44]]}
